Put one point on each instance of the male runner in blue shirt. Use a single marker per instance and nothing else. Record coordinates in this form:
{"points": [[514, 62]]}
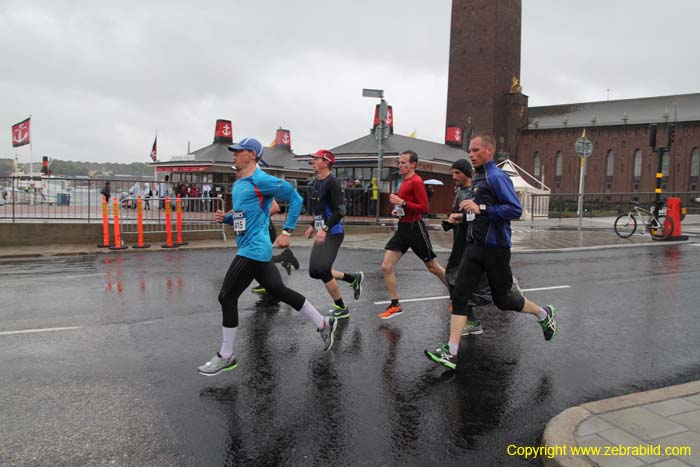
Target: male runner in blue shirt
{"points": [[253, 193]]}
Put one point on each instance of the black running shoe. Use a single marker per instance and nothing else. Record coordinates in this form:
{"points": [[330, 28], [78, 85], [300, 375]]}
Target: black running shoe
{"points": [[357, 285], [288, 257], [327, 333], [287, 267], [549, 324]]}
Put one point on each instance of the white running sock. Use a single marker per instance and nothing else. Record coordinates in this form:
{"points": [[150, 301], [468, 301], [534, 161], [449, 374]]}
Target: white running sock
{"points": [[542, 315], [312, 313], [227, 345], [454, 348]]}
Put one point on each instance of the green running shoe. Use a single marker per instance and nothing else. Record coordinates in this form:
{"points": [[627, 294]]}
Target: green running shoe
{"points": [[549, 324], [442, 356], [259, 289], [339, 313]]}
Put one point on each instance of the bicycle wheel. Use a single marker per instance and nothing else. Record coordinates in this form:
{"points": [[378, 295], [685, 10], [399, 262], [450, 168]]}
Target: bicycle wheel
{"points": [[661, 228], [625, 225]]}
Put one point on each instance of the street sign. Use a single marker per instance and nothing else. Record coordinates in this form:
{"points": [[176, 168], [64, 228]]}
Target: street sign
{"points": [[584, 147]]}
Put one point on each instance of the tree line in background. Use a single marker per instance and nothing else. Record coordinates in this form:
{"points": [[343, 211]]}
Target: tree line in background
{"points": [[71, 169]]}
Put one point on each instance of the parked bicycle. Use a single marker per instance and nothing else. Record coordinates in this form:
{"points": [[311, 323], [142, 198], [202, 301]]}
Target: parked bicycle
{"points": [[659, 226]]}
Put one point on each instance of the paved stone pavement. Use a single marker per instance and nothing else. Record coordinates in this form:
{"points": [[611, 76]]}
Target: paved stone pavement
{"points": [[651, 422]]}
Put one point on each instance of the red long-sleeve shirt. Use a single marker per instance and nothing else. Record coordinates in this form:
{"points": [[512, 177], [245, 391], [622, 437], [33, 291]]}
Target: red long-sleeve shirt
{"points": [[413, 192]]}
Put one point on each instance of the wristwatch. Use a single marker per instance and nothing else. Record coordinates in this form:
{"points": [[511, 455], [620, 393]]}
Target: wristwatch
{"points": [[403, 203], [325, 228], [286, 232], [482, 208]]}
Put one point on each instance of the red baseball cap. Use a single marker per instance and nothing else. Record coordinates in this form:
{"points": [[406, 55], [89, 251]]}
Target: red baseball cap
{"points": [[325, 154]]}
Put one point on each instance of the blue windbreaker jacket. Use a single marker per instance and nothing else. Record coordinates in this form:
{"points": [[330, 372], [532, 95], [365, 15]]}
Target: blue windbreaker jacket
{"points": [[494, 188]]}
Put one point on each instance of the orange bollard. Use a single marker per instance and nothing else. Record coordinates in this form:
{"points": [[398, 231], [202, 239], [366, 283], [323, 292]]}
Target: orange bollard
{"points": [[178, 209], [139, 224], [117, 235], [168, 226], [105, 224]]}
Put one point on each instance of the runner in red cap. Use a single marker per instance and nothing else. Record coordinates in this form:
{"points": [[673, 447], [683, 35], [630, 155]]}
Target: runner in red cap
{"points": [[328, 209]]}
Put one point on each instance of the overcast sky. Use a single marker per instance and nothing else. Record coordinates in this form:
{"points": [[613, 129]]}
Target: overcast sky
{"points": [[99, 78]]}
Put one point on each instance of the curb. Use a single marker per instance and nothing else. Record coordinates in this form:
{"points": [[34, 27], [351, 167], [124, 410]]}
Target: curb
{"points": [[561, 430], [437, 249]]}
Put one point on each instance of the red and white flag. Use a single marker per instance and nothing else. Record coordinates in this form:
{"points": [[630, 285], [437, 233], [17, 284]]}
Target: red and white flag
{"points": [[20, 133], [154, 150]]}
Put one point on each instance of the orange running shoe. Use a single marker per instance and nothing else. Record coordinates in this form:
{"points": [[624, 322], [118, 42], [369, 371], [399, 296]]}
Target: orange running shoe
{"points": [[391, 311]]}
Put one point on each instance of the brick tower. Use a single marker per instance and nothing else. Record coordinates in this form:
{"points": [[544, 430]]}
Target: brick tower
{"points": [[484, 59]]}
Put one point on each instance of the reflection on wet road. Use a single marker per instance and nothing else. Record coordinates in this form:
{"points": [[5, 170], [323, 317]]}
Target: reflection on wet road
{"points": [[146, 320]]}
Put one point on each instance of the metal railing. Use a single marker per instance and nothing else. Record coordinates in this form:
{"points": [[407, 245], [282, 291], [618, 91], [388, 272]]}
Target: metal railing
{"points": [[565, 205], [36, 199], [358, 201], [40, 199]]}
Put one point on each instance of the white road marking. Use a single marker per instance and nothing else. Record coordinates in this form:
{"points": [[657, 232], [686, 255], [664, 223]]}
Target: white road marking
{"points": [[27, 331], [554, 287], [84, 275], [442, 297]]}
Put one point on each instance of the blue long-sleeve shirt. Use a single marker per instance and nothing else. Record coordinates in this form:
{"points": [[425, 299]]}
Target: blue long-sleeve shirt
{"points": [[493, 188], [252, 199]]}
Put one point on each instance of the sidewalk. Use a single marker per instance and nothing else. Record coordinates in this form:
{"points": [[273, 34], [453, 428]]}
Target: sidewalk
{"points": [[662, 417]]}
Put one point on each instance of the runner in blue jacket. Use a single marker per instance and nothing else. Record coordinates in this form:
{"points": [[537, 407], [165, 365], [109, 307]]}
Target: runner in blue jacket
{"points": [[488, 215]]}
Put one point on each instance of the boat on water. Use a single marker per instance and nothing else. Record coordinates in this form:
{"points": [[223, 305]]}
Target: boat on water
{"points": [[35, 188]]}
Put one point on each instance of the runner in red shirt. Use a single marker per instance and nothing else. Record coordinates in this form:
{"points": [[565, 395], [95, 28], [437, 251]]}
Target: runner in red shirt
{"points": [[410, 203]]}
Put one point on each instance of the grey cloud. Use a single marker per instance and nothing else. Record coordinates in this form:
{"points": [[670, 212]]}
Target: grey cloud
{"points": [[100, 77]]}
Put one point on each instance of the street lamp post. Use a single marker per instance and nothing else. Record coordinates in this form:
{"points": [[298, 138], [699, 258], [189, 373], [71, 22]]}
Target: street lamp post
{"points": [[379, 134]]}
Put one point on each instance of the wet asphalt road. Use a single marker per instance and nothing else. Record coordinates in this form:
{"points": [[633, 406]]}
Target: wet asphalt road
{"points": [[122, 388]]}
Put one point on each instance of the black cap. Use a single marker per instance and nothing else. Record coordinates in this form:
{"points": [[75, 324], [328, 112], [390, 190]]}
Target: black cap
{"points": [[464, 166]]}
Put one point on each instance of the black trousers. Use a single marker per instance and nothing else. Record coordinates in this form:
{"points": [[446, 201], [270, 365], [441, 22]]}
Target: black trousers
{"points": [[323, 256], [495, 262], [240, 274]]}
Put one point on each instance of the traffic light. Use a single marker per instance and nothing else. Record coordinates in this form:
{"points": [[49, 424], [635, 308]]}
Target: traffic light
{"points": [[671, 134], [652, 135]]}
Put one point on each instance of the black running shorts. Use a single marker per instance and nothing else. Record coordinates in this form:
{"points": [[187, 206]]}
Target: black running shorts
{"points": [[413, 235]]}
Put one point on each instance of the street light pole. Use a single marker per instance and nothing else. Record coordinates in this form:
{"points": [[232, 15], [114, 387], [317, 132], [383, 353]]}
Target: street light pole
{"points": [[380, 135]]}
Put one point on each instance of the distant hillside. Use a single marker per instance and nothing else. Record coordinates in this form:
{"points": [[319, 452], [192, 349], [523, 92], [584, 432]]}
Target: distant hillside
{"points": [[90, 169]]}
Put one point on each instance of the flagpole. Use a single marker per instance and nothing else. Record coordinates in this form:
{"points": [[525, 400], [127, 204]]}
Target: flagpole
{"points": [[31, 166], [155, 167]]}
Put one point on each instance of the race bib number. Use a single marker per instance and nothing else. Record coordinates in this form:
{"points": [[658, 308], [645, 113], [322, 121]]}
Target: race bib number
{"points": [[470, 216], [399, 210], [319, 222], [239, 222]]}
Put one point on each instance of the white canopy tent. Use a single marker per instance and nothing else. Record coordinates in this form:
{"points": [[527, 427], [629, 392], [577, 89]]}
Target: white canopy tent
{"points": [[532, 206]]}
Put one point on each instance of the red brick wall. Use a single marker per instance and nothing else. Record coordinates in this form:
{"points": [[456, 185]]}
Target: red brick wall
{"points": [[484, 56], [623, 140]]}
